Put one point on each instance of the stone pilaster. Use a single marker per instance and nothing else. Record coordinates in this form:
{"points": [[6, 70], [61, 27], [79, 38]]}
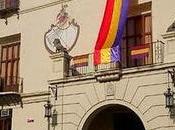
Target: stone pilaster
{"points": [[61, 65], [169, 47]]}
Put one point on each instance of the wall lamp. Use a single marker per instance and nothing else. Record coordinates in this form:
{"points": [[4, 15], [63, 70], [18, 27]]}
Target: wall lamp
{"points": [[169, 94], [48, 109], [48, 112], [169, 98]]}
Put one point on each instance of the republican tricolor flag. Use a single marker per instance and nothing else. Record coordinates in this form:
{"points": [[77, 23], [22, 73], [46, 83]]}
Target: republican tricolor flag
{"points": [[107, 48]]}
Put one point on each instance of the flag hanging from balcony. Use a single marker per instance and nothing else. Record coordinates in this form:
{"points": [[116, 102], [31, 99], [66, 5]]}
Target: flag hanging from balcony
{"points": [[139, 52], [80, 61], [107, 48]]}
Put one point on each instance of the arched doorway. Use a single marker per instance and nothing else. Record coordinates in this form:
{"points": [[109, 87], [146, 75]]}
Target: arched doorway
{"points": [[113, 117]]}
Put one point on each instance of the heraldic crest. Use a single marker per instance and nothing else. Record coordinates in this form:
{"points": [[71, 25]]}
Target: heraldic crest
{"points": [[62, 35]]}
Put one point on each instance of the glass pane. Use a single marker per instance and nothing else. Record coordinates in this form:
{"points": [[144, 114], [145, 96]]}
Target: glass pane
{"points": [[15, 72], [3, 69], [131, 42], [13, 3], [4, 54], [8, 3], [131, 27], [10, 52], [138, 40], [1, 124], [139, 27], [15, 53], [9, 73], [147, 24], [7, 124], [15, 69]]}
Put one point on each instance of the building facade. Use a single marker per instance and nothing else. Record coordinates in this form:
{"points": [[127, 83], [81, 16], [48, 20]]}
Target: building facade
{"points": [[47, 49]]}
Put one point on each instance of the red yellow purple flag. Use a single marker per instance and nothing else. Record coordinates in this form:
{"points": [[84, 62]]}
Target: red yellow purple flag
{"points": [[107, 48]]}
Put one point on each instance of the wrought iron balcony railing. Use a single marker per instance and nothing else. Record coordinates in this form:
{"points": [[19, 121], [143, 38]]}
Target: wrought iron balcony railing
{"points": [[8, 8], [11, 84], [9, 4], [142, 54], [133, 56]]}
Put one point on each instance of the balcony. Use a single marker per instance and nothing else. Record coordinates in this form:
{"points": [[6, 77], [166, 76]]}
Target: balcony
{"points": [[8, 8], [11, 84], [132, 56]]}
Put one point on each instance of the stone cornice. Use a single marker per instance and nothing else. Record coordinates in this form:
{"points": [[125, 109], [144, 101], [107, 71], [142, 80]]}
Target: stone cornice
{"points": [[60, 55], [43, 6], [148, 68], [71, 79], [169, 35], [36, 100], [124, 72], [35, 94]]}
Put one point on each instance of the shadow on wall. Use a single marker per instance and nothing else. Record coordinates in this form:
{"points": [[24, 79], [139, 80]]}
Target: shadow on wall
{"points": [[172, 114]]}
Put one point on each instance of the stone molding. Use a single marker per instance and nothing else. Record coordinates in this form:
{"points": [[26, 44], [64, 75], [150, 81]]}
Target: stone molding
{"points": [[35, 94], [35, 97], [60, 55], [169, 35], [43, 6], [36, 100], [124, 72]]}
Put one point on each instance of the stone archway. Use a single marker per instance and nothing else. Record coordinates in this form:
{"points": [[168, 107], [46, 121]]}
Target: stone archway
{"points": [[113, 117]]}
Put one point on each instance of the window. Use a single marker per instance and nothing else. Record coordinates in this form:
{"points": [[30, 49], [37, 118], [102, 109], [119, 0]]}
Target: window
{"points": [[8, 8], [10, 65], [5, 124], [9, 4], [6, 120], [137, 35]]}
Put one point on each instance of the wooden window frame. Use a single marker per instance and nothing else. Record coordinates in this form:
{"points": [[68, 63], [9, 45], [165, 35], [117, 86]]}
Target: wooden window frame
{"points": [[5, 123], [10, 80], [142, 35]]}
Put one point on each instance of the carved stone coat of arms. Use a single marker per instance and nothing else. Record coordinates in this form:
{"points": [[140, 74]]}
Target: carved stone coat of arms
{"points": [[63, 34]]}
